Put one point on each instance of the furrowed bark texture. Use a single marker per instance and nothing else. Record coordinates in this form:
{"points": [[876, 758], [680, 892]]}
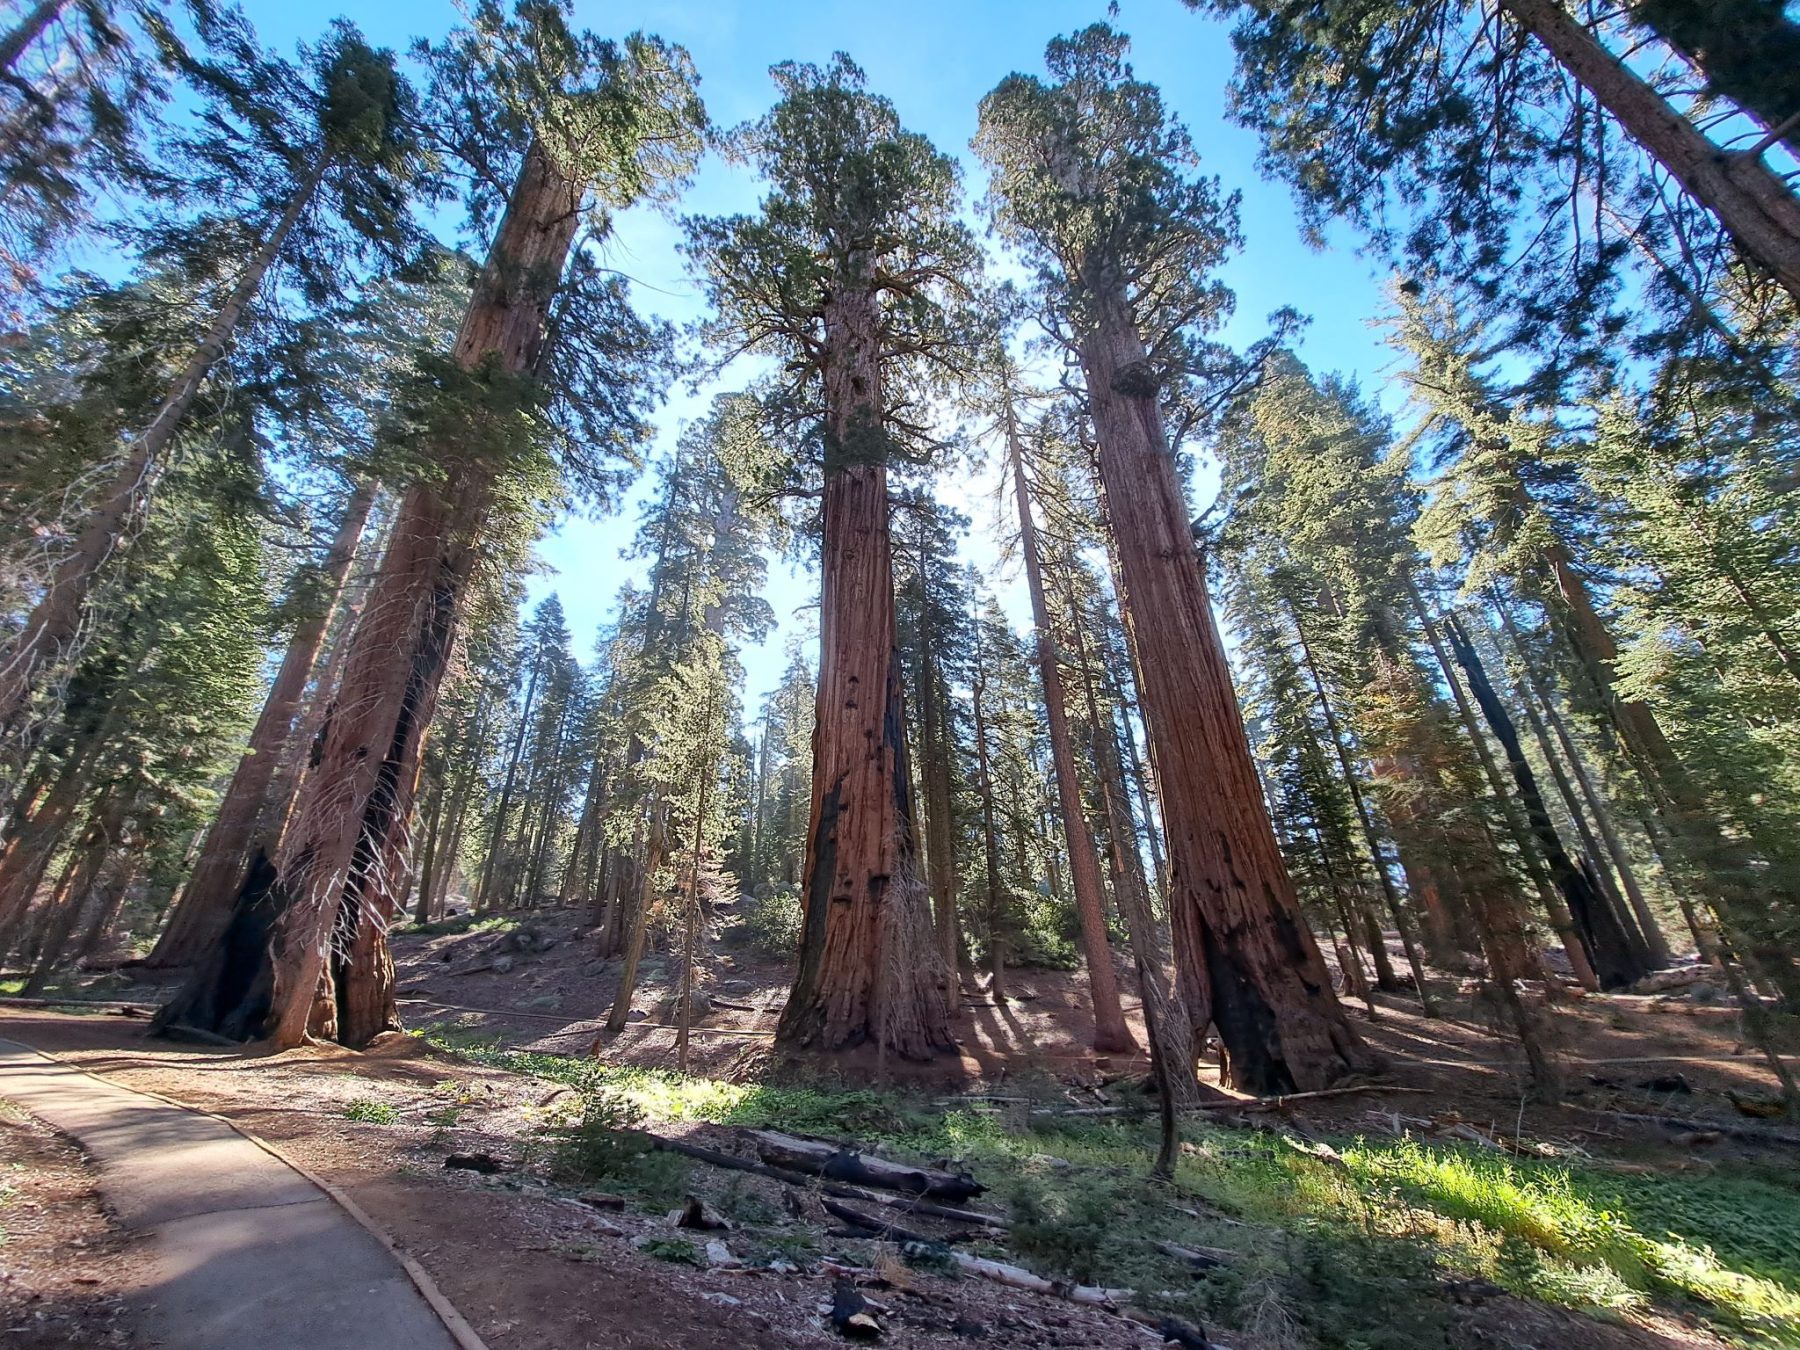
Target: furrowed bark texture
{"points": [[1110, 1032], [246, 817], [1246, 959], [1750, 200], [355, 805], [869, 969]]}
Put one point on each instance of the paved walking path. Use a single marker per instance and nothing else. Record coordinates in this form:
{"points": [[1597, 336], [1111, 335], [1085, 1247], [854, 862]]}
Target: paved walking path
{"points": [[248, 1251]]}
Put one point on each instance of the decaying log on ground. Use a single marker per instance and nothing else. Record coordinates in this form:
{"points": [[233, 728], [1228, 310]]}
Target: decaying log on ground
{"points": [[1200, 1258], [909, 1203], [1762, 1134], [1288, 1099], [1173, 1330], [1020, 1278], [844, 1164], [877, 1226]]}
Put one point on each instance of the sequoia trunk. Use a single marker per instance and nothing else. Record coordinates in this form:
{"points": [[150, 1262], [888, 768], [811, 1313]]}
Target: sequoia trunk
{"points": [[360, 794], [247, 815], [869, 968], [1246, 959]]}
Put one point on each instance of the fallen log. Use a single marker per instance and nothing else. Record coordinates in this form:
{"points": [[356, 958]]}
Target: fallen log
{"points": [[1019, 1278], [849, 1165], [874, 1225], [1282, 1102], [1200, 1258], [911, 1204], [1762, 1134], [1173, 1330]]}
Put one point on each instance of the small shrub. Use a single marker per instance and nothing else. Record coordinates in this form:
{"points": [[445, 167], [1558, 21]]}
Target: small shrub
{"points": [[1065, 1227], [366, 1112], [678, 1251], [606, 1145], [771, 924]]}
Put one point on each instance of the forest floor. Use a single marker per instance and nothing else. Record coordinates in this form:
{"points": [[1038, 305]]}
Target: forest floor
{"points": [[1441, 1207]]}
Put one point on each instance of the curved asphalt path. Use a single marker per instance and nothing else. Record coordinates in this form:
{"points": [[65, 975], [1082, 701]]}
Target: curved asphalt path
{"points": [[248, 1252]]}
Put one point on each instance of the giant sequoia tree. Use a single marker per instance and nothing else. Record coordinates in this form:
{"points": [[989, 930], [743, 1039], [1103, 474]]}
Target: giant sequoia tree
{"points": [[570, 127], [850, 274], [1091, 181]]}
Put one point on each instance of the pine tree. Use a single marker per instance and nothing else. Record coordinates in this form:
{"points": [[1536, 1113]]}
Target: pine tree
{"points": [[1443, 108], [932, 623], [327, 159]]}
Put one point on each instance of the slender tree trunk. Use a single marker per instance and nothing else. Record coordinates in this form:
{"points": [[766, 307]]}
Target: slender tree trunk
{"points": [[940, 824], [863, 973], [352, 806], [32, 840], [540, 860], [1111, 1035], [64, 908], [1749, 199], [1581, 962], [1618, 961], [655, 845], [1166, 1021], [103, 916], [984, 790], [53, 630], [1595, 860], [1532, 693], [245, 821], [434, 818], [1371, 839], [1247, 960], [484, 892], [27, 31], [1712, 860]]}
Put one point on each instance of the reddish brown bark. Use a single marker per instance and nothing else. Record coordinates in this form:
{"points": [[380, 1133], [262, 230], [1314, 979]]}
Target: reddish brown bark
{"points": [[247, 817], [1110, 1032], [868, 965], [1247, 962], [356, 803]]}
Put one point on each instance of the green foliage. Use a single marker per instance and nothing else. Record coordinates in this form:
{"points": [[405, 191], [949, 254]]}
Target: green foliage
{"points": [[365, 1111], [771, 923], [864, 212], [607, 1146], [676, 1251], [1351, 1252]]}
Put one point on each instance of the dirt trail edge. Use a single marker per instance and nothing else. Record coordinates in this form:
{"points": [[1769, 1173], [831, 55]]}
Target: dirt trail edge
{"points": [[243, 1241]]}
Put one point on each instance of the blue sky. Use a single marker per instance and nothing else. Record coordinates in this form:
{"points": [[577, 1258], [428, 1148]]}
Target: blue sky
{"points": [[935, 59]]}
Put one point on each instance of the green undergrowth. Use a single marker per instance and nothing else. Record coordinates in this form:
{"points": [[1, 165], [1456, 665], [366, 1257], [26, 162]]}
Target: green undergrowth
{"points": [[462, 923], [1347, 1249]]}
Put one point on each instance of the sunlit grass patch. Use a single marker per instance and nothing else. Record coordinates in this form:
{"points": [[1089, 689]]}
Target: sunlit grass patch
{"points": [[1351, 1249]]}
